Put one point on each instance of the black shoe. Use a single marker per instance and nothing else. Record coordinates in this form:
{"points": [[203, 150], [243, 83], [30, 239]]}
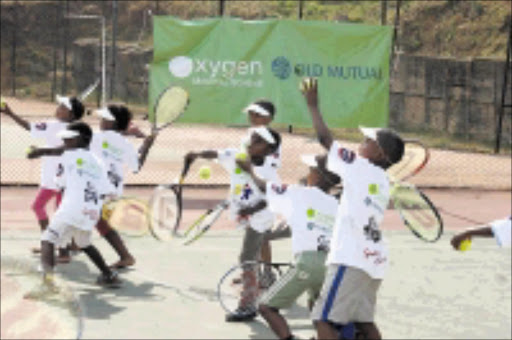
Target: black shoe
{"points": [[241, 315], [111, 281]]}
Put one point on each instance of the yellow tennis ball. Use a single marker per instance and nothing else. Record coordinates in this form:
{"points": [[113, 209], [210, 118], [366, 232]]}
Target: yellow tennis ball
{"points": [[28, 150], [465, 245], [241, 156], [205, 172], [2, 103]]}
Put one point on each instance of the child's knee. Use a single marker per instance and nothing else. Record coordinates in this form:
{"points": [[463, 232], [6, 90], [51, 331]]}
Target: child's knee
{"points": [[103, 227], [39, 210]]}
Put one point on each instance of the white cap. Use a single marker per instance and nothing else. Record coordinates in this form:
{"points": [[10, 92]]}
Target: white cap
{"points": [[264, 133], [105, 113], [67, 134], [64, 101], [309, 160], [258, 109], [369, 132]]}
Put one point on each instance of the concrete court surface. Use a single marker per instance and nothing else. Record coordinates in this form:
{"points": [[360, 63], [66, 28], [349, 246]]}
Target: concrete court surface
{"points": [[430, 291]]}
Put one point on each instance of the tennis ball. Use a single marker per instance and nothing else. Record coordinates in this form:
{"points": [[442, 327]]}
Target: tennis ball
{"points": [[205, 172], [241, 156], [465, 245], [28, 150], [2, 103]]}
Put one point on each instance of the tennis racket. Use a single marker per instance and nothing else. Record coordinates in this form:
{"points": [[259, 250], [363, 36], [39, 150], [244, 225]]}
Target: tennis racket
{"points": [[89, 90], [204, 223], [128, 215], [47, 313], [166, 204], [255, 276], [170, 105], [417, 212]]}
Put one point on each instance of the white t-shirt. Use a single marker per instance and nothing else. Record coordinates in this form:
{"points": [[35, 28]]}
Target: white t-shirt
{"points": [[502, 230], [115, 151], [243, 192], [308, 211], [357, 240], [48, 131], [82, 176]]}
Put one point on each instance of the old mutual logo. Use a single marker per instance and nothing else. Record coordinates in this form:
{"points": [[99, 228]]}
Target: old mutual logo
{"points": [[281, 67]]}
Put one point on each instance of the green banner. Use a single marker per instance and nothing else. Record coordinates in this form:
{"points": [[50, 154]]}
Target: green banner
{"points": [[227, 63]]}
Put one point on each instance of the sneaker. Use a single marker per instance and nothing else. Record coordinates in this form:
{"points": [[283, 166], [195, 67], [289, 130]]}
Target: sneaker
{"points": [[46, 289], [241, 315], [111, 281]]}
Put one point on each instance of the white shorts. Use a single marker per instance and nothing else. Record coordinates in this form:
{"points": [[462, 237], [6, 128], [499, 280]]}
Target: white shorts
{"points": [[60, 234], [348, 295]]}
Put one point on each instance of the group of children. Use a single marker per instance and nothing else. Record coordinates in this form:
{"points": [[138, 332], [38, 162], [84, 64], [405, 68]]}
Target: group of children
{"points": [[340, 255], [88, 168], [339, 251]]}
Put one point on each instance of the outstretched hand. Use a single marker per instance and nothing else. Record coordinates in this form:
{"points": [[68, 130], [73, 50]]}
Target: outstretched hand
{"points": [[309, 89], [458, 238]]}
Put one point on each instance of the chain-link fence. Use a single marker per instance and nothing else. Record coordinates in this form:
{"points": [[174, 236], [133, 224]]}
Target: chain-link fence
{"points": [[447, 82]]}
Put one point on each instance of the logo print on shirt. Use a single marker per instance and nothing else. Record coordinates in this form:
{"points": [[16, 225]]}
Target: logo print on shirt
{"points": [[371, 231], [104, 145], [279, 189], [247, 191], [41, 126], [311, 213], [346, 155], [373, 189]]}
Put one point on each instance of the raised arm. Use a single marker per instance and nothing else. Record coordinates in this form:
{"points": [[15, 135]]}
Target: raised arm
{"points": [[310, 92], [20, 121]]}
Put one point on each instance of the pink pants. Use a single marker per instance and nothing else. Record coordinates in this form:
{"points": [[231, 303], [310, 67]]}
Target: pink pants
{"points": [[43, 196]]}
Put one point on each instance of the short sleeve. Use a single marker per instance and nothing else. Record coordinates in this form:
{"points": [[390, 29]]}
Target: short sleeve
{"points": [[41, 129], [131, 158], [340, 159], [502, 230], [280, 198], [226, 158]]}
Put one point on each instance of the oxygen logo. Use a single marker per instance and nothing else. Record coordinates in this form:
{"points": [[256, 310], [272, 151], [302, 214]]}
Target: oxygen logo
{"points": [[281, 67], [181, 67]]}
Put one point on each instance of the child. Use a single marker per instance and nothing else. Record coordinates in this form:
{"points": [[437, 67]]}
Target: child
{"points": [[358, 256], [115, 151], [69, 109], [261, 113], [82, 177], [499, 229], [310, 212], [247, 203]]}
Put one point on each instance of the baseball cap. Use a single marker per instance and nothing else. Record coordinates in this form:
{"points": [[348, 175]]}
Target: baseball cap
{"points": [[76, 129], [73, 104], [261, 107], [389, 141]]}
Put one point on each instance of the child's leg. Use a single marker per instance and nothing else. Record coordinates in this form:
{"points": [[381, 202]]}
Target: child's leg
{"points": [[114, 239], [369, 330], [276, 321], [38, 206], [83, 240], [325, 330]]}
